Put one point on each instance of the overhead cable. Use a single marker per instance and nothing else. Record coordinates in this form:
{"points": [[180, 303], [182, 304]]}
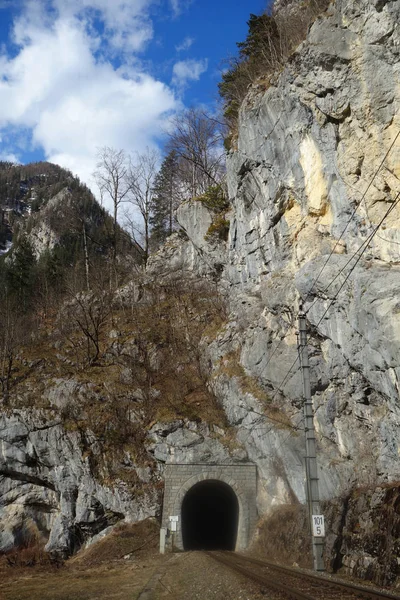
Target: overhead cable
{"points": [[366, 244], [352, 215]]}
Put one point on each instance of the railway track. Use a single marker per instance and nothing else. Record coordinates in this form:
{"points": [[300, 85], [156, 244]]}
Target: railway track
{"points": [[296, 583]]}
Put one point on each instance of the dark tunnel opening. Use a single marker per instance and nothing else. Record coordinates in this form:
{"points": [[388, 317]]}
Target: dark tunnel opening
{"points": [[210, 515]]}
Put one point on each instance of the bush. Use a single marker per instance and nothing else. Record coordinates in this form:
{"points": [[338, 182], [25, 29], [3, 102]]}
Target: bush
{"points": [[214, 198], [219, 229], [29, 556]]}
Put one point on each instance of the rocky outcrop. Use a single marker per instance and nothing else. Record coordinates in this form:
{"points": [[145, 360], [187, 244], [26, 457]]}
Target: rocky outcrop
{"points": [[362, 534], [49, 491], [52, 478], [198, 255], [184, 441], [43, 235], [370, 537], [306, 191]]}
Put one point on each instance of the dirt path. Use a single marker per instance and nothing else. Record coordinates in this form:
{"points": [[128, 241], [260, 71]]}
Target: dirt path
{"points": [[194, 576]]}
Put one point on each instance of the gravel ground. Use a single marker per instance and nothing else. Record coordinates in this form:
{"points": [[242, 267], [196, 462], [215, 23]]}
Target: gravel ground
{"points": [[193, 575]]}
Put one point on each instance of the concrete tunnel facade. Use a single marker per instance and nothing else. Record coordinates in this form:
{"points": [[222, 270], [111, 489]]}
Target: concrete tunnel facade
{"points": [[213, 506]]}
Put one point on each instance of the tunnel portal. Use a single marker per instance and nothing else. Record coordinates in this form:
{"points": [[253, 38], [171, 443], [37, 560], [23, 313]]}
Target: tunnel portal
{"points": [[193, 497], [210, 515]]}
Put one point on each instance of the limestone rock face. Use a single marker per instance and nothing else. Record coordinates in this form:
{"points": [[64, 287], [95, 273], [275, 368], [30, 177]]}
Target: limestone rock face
{"points": [[308, 187], [184, 441], [42, 235], [49, 490], [197, 256]]}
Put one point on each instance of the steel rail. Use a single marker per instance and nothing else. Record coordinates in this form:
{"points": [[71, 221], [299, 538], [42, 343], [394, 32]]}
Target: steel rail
{"points": [[271, 583], [332, 583], [326, 584]]}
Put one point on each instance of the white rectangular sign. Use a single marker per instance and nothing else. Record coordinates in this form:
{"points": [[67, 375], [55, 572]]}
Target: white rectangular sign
{"points": [[174, 519], [173, 525], [318, 525]]}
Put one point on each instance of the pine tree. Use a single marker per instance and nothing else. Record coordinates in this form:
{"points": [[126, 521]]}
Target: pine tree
{"points": [[165, 200], [20, 273], [262, 39]]}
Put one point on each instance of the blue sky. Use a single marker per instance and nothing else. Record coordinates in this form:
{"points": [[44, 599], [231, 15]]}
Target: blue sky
{"points": [[76, 75]]}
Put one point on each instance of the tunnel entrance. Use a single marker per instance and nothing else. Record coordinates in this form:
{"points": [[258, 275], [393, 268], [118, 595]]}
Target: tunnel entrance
{"points": [[210, 515]]}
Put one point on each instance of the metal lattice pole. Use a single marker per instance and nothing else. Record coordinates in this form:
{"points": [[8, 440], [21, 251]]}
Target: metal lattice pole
{"points": [[311, 457]]}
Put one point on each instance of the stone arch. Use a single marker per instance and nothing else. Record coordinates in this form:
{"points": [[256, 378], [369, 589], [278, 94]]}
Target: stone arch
{"points": [[203, 477], [179, 479]]}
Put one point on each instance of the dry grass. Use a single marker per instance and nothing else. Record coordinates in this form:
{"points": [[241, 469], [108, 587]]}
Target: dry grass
{"points": [[149, 369], [230, 366], [123, 581], [100, 571], [137, 539], [30, 556], [284, 536]]}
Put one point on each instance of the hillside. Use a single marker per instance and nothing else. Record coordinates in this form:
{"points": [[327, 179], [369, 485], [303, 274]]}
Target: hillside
{"points": [[53, 235]]}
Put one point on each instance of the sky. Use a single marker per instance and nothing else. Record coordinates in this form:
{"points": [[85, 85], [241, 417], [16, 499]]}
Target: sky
{"points": [[78, 75]]}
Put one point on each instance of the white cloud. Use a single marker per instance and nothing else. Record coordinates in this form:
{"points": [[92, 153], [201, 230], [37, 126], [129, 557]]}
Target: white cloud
{"points": [[7, 4], [185, 44], [9, 156], [72, 99], [127, 24], [178, 6], [187, 70]]}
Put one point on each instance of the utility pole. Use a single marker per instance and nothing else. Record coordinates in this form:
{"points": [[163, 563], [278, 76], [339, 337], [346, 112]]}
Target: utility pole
{"points": [[317, 528]]}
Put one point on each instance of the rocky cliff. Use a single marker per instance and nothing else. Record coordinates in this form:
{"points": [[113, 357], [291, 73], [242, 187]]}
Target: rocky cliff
{"points": [[315, 172], [316, 168]]}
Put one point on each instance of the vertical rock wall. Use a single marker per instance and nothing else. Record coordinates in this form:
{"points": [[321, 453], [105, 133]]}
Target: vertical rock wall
{"points": [[317, 166]]}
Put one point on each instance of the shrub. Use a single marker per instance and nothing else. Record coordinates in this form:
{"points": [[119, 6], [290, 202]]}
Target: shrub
{"points": [[214, 198], [29, 556], [219, 229]]}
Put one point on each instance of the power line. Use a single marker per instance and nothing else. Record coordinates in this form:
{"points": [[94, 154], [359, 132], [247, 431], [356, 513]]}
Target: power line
{"points": [[370, 222], [366, 243], [285, 380], [352, 216], [335, 246], [362, 248], [276, 349]]}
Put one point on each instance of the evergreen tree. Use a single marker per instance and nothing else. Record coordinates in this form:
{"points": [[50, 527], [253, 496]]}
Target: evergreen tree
{"points": [[165, 200], [20, 273], [262, 39], [260, 53]]}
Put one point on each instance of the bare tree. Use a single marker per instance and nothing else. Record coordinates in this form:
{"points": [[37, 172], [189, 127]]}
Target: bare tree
{"points": [[13, 328], [84, 319], [111, 176], [197, 140], [142, 173]]}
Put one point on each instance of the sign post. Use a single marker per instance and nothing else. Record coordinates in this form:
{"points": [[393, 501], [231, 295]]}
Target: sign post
{"points": [[174, 523]]}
